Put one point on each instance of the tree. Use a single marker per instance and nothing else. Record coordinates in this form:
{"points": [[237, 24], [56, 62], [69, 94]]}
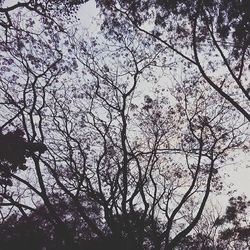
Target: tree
{"points": [[134, 169], [147, 165], [29, 61], [36, 231], [13, 152], [18, 38], [235, 232], [47, 9], [211, 37], [222, 231]]}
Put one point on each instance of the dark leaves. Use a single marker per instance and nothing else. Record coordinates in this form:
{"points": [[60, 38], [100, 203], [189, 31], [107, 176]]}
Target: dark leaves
{"points": [[13, 153]]}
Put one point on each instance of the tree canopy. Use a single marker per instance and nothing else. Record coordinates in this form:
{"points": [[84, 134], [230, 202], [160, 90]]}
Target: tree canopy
{"points": [[117, 139], [213, 36]]}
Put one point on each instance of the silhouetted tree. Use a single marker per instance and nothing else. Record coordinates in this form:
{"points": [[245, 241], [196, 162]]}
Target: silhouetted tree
{"points": [[228, 231], [124, 166], [211, 37], [13, 153]]}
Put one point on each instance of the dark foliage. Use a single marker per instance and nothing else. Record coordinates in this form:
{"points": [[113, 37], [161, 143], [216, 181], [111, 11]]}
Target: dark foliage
{"points": [[14, 150], [35, 231], [231, 17]]}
